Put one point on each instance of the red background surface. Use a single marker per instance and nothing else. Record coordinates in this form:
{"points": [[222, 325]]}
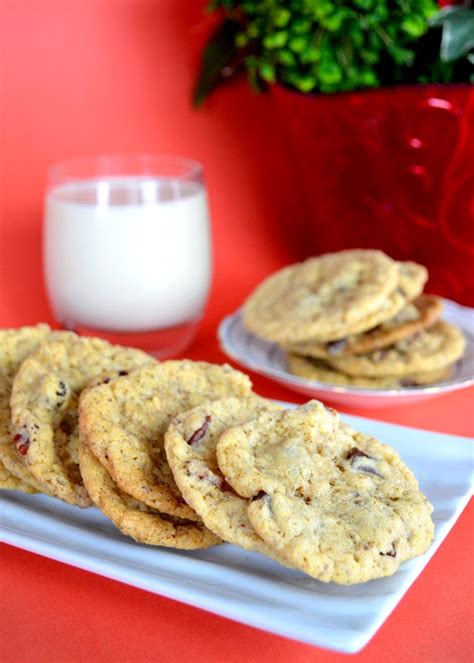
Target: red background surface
{"points": [[82, 77]]}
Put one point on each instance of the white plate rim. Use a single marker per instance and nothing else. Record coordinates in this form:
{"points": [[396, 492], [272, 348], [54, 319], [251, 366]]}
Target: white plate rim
{"points": [[466, 314]]}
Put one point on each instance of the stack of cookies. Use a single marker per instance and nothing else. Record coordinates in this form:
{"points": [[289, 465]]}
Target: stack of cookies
{"points": [[184, 454], [356, 318]]}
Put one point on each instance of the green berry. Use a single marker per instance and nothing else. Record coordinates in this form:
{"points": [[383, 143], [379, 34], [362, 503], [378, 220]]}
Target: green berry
{"points": [[286, 58], [281, 17], [330, 73], [241, 40], [322, 8], [364, 4], [415, 26], [275, 40], [333, 22], [301, 26], [267, 72], [368, 78], [310, 55], [298, 44], [305, 83]]}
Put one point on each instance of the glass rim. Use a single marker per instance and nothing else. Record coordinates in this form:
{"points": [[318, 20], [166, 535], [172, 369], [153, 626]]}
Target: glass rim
{"points": [[139, 163]]}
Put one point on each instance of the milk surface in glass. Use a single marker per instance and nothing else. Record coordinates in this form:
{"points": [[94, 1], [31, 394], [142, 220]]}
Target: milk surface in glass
{"points": [[127, 254]]}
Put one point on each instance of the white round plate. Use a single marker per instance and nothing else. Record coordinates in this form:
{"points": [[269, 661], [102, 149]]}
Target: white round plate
{"points": [[270, 359]]}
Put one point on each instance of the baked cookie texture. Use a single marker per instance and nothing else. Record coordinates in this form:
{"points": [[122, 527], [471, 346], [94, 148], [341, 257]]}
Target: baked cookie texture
{"points": [[320, 370], [335, 503], [190, 444], [432, 349], [135, 519], [323, 297], [413, 317], [9, 481], [44, 407], [184, 455], [124, 422], [15, 346], [362, 316]]}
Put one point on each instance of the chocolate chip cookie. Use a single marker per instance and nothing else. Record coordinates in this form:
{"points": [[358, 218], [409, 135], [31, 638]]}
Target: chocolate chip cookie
{"points": [[414, 317], [44, 407], [190, 444], [323, 297], [15, 346], [432, 349], [135, 519], [321, 371], [124, 423], [335, 503]]}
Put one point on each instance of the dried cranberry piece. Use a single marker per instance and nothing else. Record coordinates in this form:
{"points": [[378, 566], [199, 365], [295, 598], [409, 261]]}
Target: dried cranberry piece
{"points": [[22, 443], [200, 432], [225, 487]]}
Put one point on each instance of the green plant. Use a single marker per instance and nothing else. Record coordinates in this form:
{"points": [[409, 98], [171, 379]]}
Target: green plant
{"points": [[332, 46]]}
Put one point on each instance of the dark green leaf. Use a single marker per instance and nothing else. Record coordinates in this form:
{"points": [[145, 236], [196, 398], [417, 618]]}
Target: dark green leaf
{"points": [[458, 31], [220, 60]]}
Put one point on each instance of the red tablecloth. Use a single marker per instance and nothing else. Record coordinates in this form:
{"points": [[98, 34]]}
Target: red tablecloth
{"points": [[89, 77]]}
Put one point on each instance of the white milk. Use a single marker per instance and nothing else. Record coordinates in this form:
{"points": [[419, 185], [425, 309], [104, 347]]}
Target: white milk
{"points": [[126, 255]]}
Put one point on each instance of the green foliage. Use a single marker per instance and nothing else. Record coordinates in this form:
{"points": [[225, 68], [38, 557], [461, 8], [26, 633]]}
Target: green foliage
{"points": [[340, 45]]}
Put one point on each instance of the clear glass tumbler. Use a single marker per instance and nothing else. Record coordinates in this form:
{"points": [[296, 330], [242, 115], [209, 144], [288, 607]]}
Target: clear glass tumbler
{"points": [[127, 249]]}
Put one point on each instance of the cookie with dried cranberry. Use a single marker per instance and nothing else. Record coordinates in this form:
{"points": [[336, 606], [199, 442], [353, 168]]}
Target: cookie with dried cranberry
{"points": [[414, 317], [334, 503], [124, 422], [323, 297], [135, 519], [320, 371], [44, 407], [432, 349], [15, 346], [190, 445]]}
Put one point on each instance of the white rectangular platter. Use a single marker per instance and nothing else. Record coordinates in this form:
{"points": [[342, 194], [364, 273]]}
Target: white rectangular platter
{"points": [[248, 587]]}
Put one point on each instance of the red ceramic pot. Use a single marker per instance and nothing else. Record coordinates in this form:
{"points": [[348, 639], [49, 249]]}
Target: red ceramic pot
{"points": [[390, 169]]}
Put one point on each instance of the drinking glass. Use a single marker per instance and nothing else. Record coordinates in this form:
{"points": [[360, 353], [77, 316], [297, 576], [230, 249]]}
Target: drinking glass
{"points": [[127, 249]]}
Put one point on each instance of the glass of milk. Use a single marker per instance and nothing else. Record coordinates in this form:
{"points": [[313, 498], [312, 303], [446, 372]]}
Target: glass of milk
{"points": [[127, 249]]}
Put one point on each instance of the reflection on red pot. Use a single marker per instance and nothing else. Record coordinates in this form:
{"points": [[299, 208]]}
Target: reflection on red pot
{"points": [[390, 169]]}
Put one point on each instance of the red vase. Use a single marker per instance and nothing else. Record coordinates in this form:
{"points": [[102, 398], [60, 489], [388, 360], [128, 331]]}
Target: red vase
{"points": [[390, 169]]}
